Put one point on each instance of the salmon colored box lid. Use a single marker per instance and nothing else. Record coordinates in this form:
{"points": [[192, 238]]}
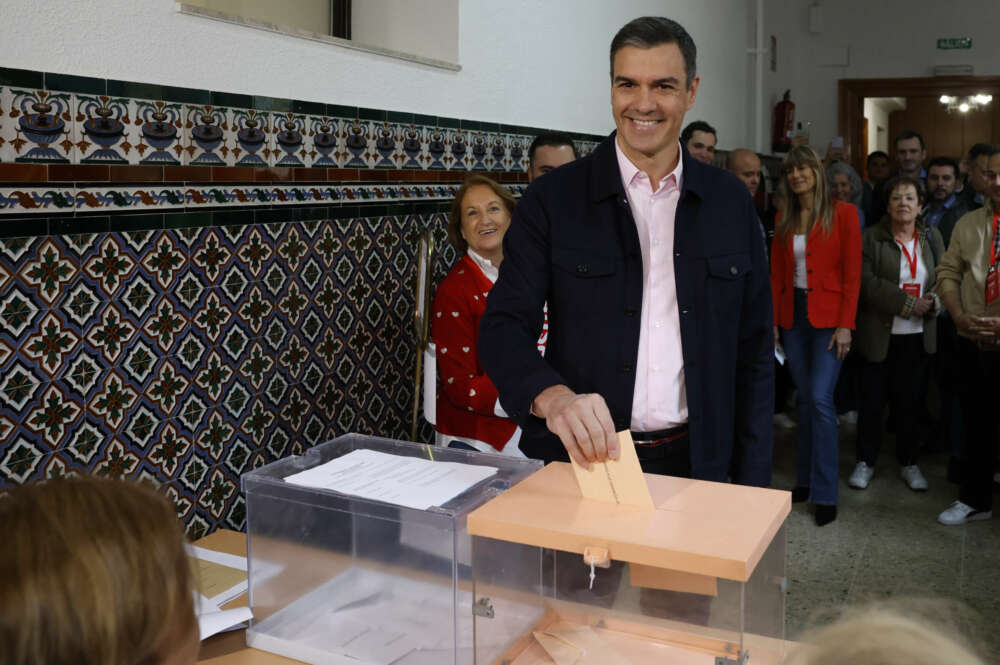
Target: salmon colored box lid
{"points": [[699, 527]]}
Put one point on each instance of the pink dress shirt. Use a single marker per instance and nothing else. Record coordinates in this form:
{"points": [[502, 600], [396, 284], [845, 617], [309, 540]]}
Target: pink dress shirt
{"points": [[660, 397]]}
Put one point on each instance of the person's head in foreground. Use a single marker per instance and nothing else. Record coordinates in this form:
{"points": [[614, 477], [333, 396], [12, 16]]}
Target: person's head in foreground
{"points": [[921, 633], [94, 573]]}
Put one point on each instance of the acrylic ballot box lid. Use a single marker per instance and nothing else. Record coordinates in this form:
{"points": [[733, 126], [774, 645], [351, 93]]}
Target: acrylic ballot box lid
{"points": [[698, 527]]}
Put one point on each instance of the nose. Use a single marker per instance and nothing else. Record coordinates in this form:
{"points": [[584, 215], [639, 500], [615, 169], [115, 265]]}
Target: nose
{"points": [[644, 100]]}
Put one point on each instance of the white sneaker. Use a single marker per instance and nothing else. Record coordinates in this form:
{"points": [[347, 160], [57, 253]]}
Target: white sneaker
{"points": [[913, 478], [861, 476], [959, 513], [849, 418], [782, 420]]}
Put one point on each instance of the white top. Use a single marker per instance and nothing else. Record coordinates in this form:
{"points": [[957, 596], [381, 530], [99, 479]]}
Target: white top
{"points": [[659, 399], [799, 250], [914, 324]]}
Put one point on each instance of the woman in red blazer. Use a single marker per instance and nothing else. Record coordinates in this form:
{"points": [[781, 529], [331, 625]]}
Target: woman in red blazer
{"points": [[815, 280], [468, 409]]}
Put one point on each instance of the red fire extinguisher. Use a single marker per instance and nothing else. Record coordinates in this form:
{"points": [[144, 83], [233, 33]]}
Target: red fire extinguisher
{"points": [[784, 121]]}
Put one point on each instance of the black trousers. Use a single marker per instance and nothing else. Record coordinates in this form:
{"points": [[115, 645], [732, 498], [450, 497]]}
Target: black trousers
{"points": [[898, 380], [981, 414]]}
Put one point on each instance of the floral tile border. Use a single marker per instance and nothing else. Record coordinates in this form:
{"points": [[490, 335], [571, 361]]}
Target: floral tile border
{"points": [[43, 200]]}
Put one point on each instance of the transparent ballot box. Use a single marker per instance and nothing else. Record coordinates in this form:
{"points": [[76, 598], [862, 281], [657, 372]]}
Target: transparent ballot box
{"points": [[348, 569], [699, 579]]}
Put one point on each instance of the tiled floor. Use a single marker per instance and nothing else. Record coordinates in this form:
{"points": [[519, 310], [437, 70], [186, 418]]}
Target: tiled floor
{"points": [[886, 543]]}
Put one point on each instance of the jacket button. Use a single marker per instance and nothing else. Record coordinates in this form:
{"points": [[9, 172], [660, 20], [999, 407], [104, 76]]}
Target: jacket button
{"points": [[583, 268], [685, 310], [733, 270], [629, 312], [626, 369]]}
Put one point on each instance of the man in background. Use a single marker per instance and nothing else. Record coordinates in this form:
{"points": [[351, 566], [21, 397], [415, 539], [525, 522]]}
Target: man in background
{"points": [[549, 151], [976, 184], [944, 207], [700, 138]]}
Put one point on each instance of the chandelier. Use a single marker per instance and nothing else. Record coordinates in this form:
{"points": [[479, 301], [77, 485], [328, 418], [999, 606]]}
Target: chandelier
{"points": [[965, 104]]}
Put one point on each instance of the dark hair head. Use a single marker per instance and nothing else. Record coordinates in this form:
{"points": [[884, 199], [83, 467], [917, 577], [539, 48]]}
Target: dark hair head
{"points": [[980, 149], [944, 161], [697, 126], [649, 31], [554, 139], [909, 134], [455, 220], [898, 181], [875, 155]]}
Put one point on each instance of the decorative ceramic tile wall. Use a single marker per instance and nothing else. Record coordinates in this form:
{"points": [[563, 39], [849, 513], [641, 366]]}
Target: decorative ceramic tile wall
{"points": [[194, 283]]}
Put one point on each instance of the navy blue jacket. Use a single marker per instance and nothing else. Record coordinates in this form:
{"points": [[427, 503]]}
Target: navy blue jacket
{"points": [[573, 243]]}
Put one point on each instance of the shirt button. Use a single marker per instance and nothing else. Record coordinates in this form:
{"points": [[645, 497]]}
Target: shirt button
{"points": [[684, 311], [658, 324], [629, 312], [583, 268], [733, 270]]}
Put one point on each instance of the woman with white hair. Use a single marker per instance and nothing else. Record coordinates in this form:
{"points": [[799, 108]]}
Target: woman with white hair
{"points": [[845, 185]]}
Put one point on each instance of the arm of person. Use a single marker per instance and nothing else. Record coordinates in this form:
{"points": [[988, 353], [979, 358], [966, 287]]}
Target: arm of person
{"points": [[776, 273], [880, 293], [850, 248], [453, 330], [754, 433], [508, 333], [949, 280]]}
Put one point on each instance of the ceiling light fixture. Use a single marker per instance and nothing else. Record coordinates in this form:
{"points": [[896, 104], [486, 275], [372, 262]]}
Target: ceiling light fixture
{"points": [[965, 104]]}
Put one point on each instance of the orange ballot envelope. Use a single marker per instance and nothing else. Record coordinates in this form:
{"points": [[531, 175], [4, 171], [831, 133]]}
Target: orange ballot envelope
{"points": [[616, 481]]}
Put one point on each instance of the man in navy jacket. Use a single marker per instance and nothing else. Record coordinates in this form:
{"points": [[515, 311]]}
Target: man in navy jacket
{"points": [[637, 231]]}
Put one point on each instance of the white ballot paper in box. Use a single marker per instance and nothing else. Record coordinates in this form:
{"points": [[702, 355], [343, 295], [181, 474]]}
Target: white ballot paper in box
{"points": [[405, 481]]}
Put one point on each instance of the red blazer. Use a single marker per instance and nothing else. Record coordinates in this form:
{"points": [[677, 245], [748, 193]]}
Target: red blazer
{"points": [[833, 272], [466, 396]]}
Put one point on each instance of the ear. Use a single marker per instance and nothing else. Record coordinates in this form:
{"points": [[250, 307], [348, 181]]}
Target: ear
{"points": [[692, 92]]}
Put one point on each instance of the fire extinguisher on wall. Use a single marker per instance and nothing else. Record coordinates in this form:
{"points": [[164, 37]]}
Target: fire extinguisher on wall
{"points": [[784, 121]]}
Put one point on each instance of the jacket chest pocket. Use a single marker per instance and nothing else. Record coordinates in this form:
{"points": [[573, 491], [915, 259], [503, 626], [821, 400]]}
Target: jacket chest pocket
{"points": [[582, 265], [726, 279], [583, 282]]}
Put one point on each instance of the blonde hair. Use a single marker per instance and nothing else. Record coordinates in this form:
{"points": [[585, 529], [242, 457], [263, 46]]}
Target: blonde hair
{"points": [[823, 204], [913, 633], [94, 572]]}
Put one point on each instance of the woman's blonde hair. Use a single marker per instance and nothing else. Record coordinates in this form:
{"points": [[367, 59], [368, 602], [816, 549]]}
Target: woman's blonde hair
{"points": [[803, 155], [455, 219], [915, 632], [92, 572]]}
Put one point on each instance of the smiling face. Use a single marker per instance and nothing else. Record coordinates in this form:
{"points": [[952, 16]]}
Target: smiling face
{"points": [[701, 145], [485, 220], [904, 203], [801, 179], [649, 97], [842, 189]]}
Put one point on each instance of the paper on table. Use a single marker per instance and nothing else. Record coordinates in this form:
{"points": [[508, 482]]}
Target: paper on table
{"points": [[616, 481], [405, 481], [219, 576], [585, 646], [212, 620]]}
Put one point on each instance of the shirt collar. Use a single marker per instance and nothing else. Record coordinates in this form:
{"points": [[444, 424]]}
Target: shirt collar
{"points": [[484, 264], [630, 171]]}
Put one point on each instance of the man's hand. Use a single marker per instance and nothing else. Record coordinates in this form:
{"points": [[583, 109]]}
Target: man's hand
{"points": [[984, 328], [582, 422], [923, 305]]}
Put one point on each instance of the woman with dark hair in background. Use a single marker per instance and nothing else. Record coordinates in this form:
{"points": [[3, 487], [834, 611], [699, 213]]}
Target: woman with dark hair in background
{"points": [[815, 277], [896, 328]]}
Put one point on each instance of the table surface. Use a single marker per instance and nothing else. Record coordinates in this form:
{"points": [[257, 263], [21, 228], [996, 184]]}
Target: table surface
{"points": [[231, 648]]}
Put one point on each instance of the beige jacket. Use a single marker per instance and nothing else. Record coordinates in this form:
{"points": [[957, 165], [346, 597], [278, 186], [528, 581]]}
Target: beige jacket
{"points": [[964, 266]]}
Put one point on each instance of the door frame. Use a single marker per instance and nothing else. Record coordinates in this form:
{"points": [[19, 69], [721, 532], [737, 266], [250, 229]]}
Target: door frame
{"points": [[851, 95]]}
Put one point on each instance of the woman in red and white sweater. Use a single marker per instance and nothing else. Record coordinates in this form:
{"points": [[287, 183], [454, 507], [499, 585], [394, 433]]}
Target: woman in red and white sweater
{"points": [[469, 414]]}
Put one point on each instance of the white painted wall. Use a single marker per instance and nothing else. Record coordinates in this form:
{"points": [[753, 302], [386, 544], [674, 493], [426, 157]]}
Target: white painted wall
{"points": [[427, 28], [529, 62], [884, 39]]}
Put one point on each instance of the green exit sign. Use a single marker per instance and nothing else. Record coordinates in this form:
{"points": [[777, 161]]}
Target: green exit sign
{"points": [[953, 43]]}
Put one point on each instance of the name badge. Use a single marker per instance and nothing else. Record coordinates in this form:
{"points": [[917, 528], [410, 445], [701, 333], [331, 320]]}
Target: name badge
{"points": [[913, 288]]}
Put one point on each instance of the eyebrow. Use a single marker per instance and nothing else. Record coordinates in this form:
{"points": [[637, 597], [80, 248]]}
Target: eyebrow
{"points": [[673, 80]]}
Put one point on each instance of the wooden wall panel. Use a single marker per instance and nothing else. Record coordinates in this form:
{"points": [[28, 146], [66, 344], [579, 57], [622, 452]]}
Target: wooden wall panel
{"points": [[945, 133]]}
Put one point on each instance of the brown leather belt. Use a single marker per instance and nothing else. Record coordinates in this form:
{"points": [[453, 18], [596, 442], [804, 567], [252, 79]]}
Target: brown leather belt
{"points": [[660, 437]]}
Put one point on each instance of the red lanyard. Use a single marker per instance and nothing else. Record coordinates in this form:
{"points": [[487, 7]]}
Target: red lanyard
{"points": [[995, 254], [912, 260]]}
